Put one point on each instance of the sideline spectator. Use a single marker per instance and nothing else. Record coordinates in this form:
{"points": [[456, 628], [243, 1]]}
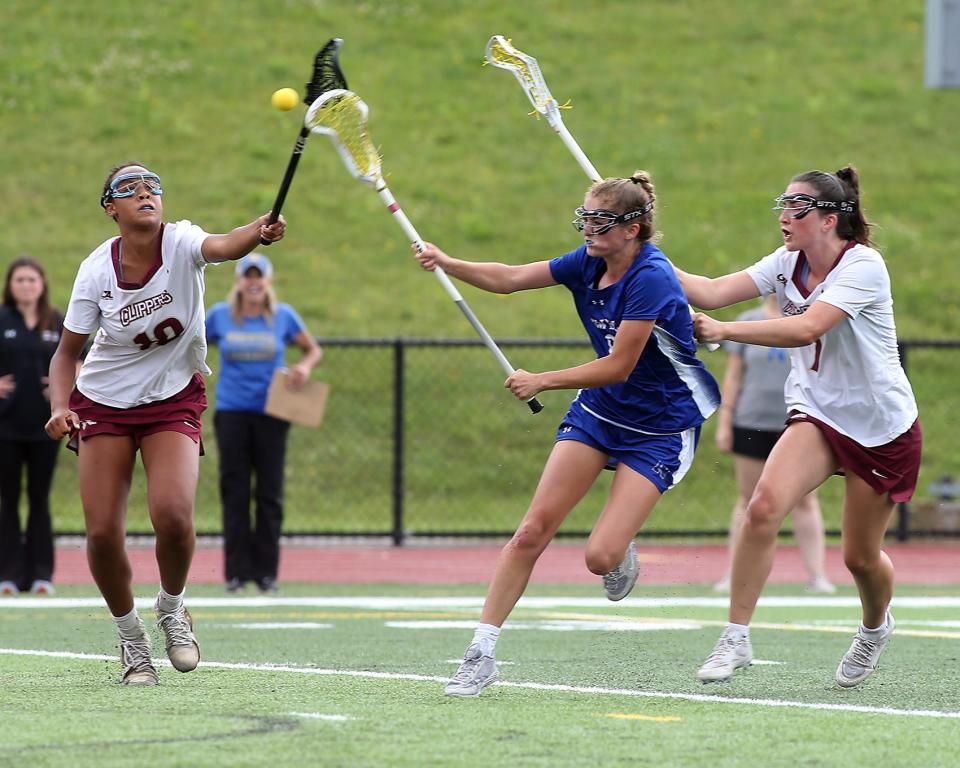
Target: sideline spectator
{"points": [[29, 332], [252, 330]]}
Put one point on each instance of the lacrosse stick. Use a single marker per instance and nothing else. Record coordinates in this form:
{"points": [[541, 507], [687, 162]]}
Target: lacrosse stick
{"points": [[326, 77], [500, 53], [342, 116]]}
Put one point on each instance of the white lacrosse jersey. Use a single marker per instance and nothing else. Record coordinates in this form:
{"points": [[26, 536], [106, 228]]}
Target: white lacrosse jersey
{"points": [[150, 337], [851, 377]]}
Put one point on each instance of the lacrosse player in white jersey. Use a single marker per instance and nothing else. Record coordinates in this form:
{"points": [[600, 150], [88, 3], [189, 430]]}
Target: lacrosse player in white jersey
{"points": [[141, 388], [850, 407]]}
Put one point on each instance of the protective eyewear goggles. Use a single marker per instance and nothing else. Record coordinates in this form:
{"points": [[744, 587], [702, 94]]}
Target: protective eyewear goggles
{"points": [[600, 220], [126, 185], [800, 205]]}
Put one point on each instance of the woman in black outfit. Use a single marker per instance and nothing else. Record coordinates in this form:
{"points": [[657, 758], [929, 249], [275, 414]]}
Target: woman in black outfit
{"points": [[29, 333]]}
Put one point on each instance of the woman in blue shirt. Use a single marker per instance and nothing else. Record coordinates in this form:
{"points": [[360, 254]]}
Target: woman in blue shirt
{"points": [[638, 410], [252, 331]]}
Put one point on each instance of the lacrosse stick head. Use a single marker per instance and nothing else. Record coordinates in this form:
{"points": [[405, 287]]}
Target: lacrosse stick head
{"points": [[342, 116], [500, 53], [326, 72]]}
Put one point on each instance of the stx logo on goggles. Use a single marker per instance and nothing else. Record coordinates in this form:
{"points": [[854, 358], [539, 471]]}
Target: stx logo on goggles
{"points": [[599, 220], [800, 205]]}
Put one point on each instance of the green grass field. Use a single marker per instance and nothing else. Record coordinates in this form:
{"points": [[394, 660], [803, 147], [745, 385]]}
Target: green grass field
{"points": [[721, 104], [351, 676]]}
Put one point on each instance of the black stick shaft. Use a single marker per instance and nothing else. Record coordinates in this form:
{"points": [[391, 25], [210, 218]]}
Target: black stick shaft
{"points": [[287, 179]]}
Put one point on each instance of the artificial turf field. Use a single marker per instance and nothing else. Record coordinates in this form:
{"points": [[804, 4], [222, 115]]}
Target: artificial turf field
{"points": [[353, 675]]}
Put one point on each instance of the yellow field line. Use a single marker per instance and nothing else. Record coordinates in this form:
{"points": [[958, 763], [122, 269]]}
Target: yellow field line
{"points": [[652, 718]]}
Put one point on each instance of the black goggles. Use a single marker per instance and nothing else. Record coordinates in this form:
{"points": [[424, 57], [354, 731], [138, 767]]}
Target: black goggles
{"points": [[800, 205], [600, 220], [126, 185]]}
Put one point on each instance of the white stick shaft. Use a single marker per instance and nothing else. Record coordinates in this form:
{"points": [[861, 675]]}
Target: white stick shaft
{"points": [[578, 153], [450, 288]]}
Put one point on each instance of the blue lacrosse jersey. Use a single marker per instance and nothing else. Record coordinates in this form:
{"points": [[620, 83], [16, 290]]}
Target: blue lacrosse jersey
{"points": [[669, 390]]}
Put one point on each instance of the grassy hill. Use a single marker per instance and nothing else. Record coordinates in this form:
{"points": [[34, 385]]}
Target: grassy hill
{"points": [[723, 103]]}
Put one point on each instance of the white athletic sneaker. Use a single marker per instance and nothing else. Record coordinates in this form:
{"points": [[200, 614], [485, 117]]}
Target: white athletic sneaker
{"points": [[859, 662], [8, 588], [42, 587], [820, 585], [476, 672], [729, 654], [618, 583], [722, 587], [135, 656], [182, 647]]}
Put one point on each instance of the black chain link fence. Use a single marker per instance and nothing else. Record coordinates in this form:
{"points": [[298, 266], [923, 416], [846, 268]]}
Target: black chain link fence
{"points": [[421, 439]]}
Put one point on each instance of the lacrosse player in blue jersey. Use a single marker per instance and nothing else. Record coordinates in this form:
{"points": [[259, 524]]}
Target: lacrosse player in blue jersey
{"points": [[638, 408]]}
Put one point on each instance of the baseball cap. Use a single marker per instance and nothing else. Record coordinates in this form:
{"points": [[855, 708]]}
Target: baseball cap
{"points": [[257, 260]]}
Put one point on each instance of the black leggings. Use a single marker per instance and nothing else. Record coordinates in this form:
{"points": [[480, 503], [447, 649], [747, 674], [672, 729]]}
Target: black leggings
{"points": [[251, 445], [26, 556]]}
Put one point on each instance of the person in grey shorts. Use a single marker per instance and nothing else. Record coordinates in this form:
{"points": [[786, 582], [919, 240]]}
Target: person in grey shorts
{"points": [[751, 419]]}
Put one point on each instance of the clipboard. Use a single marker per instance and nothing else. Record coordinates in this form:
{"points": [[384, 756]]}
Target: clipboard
{"points": [[303, 406]]}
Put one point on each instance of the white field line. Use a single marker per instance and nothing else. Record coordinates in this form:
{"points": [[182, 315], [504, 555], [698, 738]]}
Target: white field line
{"points": [[582, 689], [815, 626], [439, 603], [318, 716]]}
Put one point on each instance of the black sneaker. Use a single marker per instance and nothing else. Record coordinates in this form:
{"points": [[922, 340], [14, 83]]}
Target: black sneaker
{"points": [[268, 585], [235, 587]]}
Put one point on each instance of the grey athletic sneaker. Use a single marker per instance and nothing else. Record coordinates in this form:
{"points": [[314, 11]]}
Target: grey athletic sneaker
{"points": [[135, 656], [182, 648], [476, 672], [859, 662], [618, 583], [729, 654]]}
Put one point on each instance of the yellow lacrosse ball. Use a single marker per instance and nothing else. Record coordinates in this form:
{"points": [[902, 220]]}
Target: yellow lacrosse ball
{"points": [[285, 99]]}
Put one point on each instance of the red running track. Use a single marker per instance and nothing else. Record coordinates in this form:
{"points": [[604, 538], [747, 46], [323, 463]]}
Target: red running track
{"points": [[562, 563]]}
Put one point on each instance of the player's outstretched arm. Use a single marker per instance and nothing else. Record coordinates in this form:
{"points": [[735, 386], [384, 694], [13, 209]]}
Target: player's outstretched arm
{"points": [[716, 292], [488, 275], [239, 242]]}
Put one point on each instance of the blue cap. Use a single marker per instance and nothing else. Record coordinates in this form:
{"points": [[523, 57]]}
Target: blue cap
{"points": [[257, 260]]}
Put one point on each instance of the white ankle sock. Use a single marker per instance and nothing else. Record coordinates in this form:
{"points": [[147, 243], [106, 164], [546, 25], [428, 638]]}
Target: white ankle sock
{"points": [[874, 632], [486, 636], [129, 625], [741, 631], [168, 603]]}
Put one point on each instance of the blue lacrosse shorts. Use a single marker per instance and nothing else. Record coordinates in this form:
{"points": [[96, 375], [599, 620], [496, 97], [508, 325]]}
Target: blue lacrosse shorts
{"points": [[662, 459]]}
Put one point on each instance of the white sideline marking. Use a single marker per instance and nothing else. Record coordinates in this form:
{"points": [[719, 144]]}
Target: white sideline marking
{"points": [[703, 698], [273, 625], [318, 716], [765, 662], [438, 603], [554, 625], [498, 663]]}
